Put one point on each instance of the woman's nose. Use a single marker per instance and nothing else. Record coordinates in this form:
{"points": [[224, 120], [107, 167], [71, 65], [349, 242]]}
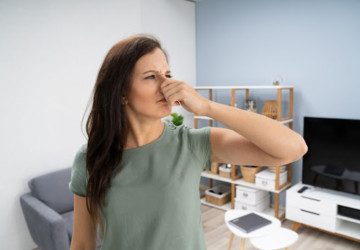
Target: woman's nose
{"points": [[161, 75]]}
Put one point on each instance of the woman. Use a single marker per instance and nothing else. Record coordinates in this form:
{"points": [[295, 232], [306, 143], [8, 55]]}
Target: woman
{"points": [[138, 177]]}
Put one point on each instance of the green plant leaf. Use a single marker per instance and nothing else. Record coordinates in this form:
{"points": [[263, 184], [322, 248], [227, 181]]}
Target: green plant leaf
{"points": [[177, 119]]}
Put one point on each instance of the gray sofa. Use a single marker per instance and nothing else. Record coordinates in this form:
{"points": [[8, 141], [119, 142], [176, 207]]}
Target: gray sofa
{"points": [[48, 210]]}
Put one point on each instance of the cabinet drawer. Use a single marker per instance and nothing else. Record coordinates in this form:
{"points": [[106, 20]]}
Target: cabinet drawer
{"points": [[311, 204], [310, 218]]}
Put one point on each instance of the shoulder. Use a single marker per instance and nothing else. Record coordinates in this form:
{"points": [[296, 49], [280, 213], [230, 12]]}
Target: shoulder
{"points": [[179, 130], [184, 130], [80, 156], [82, 149]]}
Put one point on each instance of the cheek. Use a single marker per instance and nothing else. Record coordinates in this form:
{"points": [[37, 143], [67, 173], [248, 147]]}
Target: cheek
{"points": [[144, 95]]}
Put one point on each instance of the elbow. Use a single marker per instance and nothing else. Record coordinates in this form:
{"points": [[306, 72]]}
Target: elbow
{"points": [[300, 148], [292, 153], [304, 148]]}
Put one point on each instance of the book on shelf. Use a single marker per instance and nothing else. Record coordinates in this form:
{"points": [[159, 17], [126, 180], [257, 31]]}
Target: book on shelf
{"points": [[250, 222]]}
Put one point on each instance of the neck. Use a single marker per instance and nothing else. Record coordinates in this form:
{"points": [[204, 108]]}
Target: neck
{"points": [[143, 133]]}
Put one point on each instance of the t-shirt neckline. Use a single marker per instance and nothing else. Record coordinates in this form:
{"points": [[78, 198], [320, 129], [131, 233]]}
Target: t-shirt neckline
{"points": [[160, 138]]}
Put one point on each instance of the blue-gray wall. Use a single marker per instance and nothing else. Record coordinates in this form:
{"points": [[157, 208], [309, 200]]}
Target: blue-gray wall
{"points": [[313, 44]]}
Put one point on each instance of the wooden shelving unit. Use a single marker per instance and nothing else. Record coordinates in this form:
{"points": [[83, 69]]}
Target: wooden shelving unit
{"points": [[288, 120]]}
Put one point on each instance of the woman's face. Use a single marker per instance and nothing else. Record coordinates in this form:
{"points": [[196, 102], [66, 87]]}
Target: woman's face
{"points": [[145, 93]]}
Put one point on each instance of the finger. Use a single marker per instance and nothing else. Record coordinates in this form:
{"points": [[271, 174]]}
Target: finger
{"points": [[176, 103], [166, 84], [169, 89], [172, 90], [178, 96], [166, 81]]}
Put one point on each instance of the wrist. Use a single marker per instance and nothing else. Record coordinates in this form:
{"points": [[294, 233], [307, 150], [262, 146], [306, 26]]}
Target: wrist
{"points": [[208, 108]]}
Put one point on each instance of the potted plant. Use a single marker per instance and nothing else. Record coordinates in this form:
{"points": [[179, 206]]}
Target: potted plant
{"points": [[177, 119]]}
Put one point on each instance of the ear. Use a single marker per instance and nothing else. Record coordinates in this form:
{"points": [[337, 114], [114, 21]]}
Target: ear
{"points": [[124, 100]]}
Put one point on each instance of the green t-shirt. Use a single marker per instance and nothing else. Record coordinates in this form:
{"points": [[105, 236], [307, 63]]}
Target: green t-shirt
{"points": [[154, 202]]}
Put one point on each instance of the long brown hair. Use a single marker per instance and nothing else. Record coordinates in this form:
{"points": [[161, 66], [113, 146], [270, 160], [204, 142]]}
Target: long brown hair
{"points": [[106, 126]]}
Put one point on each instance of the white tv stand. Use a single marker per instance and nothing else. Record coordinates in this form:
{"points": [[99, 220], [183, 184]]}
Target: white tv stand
{"points": [[319, 208]]}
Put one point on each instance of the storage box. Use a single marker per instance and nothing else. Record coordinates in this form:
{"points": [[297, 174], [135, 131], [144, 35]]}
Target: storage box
{"points": [[259, 207], [250, 196], [227, 172], [218, 195], [266, 179]]}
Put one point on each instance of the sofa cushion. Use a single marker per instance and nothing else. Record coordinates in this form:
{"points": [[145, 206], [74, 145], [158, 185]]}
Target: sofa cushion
{"points": [[53, 190], [69, 223]]}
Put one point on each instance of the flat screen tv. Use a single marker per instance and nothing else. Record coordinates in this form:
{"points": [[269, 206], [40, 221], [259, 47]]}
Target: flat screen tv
{"points": [[333, 157]]}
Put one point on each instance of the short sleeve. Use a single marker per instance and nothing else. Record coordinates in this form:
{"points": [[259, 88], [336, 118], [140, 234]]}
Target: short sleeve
{"points": [[199, 142], [78, 181]]}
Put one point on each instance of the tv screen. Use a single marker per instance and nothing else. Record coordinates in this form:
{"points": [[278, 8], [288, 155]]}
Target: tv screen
{"points": [[333, 157]]}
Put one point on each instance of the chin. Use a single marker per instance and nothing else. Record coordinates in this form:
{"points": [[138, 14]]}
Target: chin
{"points": [[166, 113]]}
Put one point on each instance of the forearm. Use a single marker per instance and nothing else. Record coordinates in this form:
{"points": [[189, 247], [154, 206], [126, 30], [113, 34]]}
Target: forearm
{"points": [[269, 135]]}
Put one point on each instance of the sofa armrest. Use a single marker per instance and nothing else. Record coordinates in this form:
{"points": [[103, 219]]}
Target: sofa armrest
{"points": [[47, 227]]}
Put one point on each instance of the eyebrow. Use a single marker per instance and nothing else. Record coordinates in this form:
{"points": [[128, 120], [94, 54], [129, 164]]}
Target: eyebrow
{"points": [[155, 71]]}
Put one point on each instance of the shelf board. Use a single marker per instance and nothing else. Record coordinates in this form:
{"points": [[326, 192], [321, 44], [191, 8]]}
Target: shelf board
{"points": [[226, 206], [245, 87], [253, 185], [349, 229], [287, 121], [216, 177], [202, 117], [241, 182], [348, 219], [209, 118]]}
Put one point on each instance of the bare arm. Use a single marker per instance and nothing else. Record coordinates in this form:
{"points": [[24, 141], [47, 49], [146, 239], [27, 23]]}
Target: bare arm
{"points": [[255, 139], [252, 139], [85, 230]]}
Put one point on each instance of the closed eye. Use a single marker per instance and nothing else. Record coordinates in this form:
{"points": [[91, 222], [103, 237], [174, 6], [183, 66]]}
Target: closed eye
{"points": [[153, 76], [150, 77]]}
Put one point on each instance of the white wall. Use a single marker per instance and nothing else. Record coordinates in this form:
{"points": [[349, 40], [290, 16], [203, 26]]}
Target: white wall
{"points": [[50, 54]]}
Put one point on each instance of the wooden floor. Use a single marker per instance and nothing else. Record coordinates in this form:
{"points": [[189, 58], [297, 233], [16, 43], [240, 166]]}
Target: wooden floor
{"points": [[217, 235]]}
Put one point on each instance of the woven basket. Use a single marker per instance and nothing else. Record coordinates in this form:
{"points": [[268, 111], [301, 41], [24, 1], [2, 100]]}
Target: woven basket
{"points": [[248, 173], [217, 199], [226, 174]]}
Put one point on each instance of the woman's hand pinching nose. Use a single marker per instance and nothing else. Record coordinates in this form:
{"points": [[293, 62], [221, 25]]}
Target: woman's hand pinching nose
{"points": [[180, 93]]}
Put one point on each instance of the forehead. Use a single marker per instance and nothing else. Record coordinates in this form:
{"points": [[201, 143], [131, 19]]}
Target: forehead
{"points": [[154, 60]]}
